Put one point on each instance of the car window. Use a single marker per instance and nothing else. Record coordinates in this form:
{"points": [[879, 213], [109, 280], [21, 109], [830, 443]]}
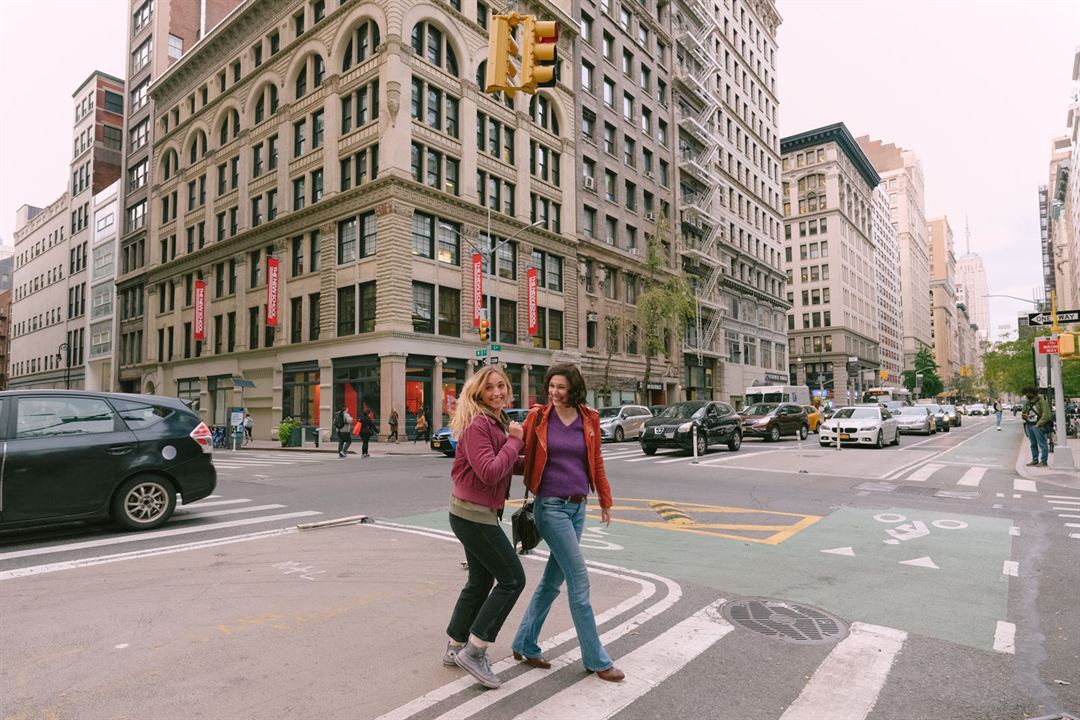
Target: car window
{"points": [[759, 409], [608, 412], [139, 416], [38, 417], [885, 415]]}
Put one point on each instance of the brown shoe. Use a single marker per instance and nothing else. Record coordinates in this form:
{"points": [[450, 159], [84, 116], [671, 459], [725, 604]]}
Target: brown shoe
{"points": [[612, 674], [536, 662]]}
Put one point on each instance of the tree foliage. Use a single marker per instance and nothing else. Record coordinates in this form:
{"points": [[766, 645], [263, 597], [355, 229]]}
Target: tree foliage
{"points": [[928, 368], [1010, 366]]}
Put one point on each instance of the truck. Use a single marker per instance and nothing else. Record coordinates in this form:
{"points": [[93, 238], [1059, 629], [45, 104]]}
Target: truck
{"points": [[798, 394]]}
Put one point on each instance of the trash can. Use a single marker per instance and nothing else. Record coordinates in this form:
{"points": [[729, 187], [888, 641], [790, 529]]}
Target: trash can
{"points": [[294, 437]]}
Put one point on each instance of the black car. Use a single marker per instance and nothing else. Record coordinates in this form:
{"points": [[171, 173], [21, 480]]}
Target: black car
{"points": [[73, 455], [716, 422]]}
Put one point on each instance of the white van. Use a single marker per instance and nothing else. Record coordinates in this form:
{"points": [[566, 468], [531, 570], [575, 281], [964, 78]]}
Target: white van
{"points": [[798, 394]]}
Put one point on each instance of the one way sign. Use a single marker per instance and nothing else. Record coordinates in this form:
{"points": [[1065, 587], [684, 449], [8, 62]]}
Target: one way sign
{"points": [[1045, 318]]}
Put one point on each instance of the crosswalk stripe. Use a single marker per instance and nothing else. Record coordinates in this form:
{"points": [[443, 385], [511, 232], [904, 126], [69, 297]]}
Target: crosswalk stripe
{"points": [[972, 477], [621, 454], [1066, 515], [1021, 485], [1064, 502], [641, 459], [1005, 637], [1063, 497], [220, 513], [923, 473], [201, 504], [672, 460], [152, 534], [847, 683], [1010, 568], [645, 668], [1075, 536]]}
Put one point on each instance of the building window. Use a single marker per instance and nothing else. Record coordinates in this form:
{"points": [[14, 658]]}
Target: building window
{"points": [[449, 312], [363, 42], [346, 311], [367, 307], [176, 47], [429, 43], [423, 304]]}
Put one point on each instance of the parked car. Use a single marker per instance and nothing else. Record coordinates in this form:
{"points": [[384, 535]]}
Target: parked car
{"points": [[621, 422], [952, 415], [71, 455], [771, 420], [656, 409], [813, 417], [442, 440], [915, 419], [861, 425], [716, 422]]}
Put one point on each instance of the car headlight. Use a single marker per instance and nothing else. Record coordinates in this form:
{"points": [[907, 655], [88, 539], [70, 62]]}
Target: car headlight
{"points": [[761, 423], [685, 427], [872, 428]]}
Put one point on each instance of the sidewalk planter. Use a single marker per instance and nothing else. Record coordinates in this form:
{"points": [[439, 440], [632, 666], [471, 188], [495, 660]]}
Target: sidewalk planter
{"points": [[289, 433]]}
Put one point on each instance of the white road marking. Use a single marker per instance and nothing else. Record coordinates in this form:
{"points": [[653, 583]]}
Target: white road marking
{"points": [[1075, 536], [924, 472], [998, 506], [673, 460], [972, 477], [646, 668], [1010, 568], [1001, 495], [1072, 524], [848, 551], [1017, 496], [1063, 497], [847, 683], [1005, 637], [1014, 531], [641, 459], [183, 515], [1064, 502], [1021, 485], [924, 561], [200, 504], [136, 554], [151, 535], [1066, 515]]}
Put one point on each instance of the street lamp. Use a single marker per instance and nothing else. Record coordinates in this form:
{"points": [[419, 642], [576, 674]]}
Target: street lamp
{"points": [[61, 352]]}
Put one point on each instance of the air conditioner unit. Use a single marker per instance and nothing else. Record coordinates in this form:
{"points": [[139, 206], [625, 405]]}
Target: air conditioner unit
{"points": [[648, 173], [590, 183], [632, 250], [650, 217]]}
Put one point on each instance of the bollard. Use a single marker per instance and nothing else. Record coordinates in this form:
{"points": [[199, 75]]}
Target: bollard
{"points": [[695, 460]]}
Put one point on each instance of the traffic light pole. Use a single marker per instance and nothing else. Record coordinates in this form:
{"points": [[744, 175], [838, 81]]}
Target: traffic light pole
{"points": [[489, 271]]}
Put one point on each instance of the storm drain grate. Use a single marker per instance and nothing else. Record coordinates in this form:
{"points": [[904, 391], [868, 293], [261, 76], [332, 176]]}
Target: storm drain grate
{"points": [[788, 621], [917, 490]]}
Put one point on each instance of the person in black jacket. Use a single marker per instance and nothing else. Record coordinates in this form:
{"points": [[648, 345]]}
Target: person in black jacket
{"points": [[367, 430]]}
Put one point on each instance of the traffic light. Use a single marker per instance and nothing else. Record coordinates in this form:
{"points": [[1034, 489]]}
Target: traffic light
{"points": [[1069, 345], [502, 55], [918, 382], [485, 330], [538, 54]]}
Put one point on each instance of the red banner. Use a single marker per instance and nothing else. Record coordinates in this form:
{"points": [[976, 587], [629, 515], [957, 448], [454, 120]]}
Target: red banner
{"points": [[534, 322], [272, 291], [200, 310], [477, 287]]}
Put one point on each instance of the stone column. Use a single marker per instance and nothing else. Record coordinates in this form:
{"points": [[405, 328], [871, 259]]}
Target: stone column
{"points": [[392, 386], [437, 394], [523, 398], [326, 399]]}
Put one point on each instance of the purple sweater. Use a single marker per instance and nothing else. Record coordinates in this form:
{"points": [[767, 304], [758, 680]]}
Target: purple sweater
{"points": [[566, 471], [484, 460]]}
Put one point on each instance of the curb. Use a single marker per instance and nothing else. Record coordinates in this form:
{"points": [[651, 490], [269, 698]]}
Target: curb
{"points": [[1071, 481]]}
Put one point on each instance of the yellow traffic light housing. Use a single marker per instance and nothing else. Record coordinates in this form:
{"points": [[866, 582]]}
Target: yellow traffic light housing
{"points": [[502, 55], [1067, 344], [485, 330], [538, 54]]}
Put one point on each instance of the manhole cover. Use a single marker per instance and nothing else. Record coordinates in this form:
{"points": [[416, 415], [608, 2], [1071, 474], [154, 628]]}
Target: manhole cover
{"points": [[916, 490], [788, 621]]}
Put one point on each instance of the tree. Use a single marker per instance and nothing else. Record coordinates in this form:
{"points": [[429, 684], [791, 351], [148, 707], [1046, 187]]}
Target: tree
{"points": [[925, 366], [665, 303], [1009, 367]]}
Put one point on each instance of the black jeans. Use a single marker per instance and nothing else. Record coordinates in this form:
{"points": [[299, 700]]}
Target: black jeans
{"points": [[344, 441], [363, 444], [479, 609]]}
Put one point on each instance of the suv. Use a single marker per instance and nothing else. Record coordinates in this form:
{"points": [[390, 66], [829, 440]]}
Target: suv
{"points": [[619, 423], [442, 440], [74, 455], [771, 420]]}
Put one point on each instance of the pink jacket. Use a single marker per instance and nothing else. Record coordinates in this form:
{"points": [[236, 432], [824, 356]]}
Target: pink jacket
{"points": [[484, 460]]}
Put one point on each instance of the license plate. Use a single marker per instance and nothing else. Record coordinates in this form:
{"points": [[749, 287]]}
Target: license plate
{"points": [[669, 434], [436, 443], [845, 436]]}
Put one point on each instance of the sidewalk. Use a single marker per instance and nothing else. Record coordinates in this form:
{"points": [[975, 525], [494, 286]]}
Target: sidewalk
{"points": [[377, 449], [1069, 477]]}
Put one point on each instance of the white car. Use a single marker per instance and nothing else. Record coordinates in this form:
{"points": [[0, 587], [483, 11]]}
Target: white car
{"points": [[915, 419], [620, 422], [860, 425]]}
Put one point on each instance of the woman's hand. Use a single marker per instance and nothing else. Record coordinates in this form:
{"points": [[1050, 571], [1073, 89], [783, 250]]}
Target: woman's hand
{"points": [[605, 516], [515, 430]]}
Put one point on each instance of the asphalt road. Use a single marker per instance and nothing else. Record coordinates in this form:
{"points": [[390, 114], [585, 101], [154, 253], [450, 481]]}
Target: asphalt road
{"points": [[953, 581]]}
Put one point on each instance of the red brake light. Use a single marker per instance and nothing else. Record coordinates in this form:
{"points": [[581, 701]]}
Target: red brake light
{"points": [[204, 437]]}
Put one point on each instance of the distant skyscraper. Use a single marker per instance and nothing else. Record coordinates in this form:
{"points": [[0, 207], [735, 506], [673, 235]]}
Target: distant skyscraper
{"points": [[943, 298], [971, 288], [889, 292]]}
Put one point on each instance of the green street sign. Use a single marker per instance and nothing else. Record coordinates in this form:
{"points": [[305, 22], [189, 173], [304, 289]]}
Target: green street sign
{"points": [[481, 353], [496, 348]]}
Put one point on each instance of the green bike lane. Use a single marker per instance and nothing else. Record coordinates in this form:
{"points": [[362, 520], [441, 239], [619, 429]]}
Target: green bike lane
{"points": [[931, 567]]}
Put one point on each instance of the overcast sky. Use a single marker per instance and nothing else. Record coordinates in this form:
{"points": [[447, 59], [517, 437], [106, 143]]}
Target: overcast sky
{"points": [[977, 89]]}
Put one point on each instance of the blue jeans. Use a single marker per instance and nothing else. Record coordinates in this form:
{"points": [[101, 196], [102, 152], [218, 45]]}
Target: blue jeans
{"points": [[998, 413], [1037, 438], [560, 524]]}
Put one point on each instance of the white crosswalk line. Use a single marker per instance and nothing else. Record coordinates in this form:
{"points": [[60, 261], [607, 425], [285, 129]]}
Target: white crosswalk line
{"points": [[200, 504], [641, 459], [621, 454], [645, 669], [672, 460], [847, 683], [924, 472], [1021, 485], [1064, 502], [1075, 536], [972, 477], [1063, 497], [219, 513], [1005, 638], [1010, 568], [1066, 515]]}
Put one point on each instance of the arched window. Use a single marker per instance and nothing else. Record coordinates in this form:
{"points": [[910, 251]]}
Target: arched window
{"points": [[231, 123], [267, 103], [301, 83], [313, 68], [543, 114], [429, 42], [481, 73], [170, 164], [198, 147], [363, 42]]}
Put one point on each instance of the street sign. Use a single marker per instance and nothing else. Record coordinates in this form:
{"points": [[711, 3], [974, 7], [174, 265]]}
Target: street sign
{"points": [[481, 353], [496, 348], [1048, 347], [1045, 318]]}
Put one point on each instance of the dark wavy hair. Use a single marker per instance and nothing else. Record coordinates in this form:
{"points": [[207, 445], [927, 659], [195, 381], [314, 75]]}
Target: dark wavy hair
{"points": [[573, 376]]}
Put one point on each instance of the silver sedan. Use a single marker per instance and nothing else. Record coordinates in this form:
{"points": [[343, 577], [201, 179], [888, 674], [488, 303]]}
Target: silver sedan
{"points": [[915, 419]]}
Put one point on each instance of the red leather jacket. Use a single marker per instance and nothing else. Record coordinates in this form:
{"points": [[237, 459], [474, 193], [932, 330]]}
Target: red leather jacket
{"points": [[536, 433]]}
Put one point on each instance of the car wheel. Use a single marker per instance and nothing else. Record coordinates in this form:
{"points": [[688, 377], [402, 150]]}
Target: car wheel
{"points": [[774, 433], [896, 438], [735, 442], [803, 432], [449, 454], [619, 434], [144, 502], [880, 439], [648, 450], [702, 444]]}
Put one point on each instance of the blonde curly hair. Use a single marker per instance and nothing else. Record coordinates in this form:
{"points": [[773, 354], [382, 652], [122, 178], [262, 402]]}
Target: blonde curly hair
{"points": [[470, 405]]}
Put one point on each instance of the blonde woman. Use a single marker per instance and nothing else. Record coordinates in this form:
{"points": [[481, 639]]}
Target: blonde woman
{"points": [[488, 446]]}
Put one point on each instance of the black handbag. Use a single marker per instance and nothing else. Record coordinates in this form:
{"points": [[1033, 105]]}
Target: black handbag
{"points": [[524, 527]]}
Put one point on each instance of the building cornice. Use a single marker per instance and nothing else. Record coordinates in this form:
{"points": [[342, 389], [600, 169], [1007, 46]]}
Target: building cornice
{"points": [[839, 134]]}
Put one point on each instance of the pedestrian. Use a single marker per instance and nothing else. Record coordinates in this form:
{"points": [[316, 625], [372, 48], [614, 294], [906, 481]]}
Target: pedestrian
{"points": [[563, 464], [393, 421], [1036, 415], [998, 411], [488, 446], [343, 428], [249, 428], [367, 429], [421, 426]]}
